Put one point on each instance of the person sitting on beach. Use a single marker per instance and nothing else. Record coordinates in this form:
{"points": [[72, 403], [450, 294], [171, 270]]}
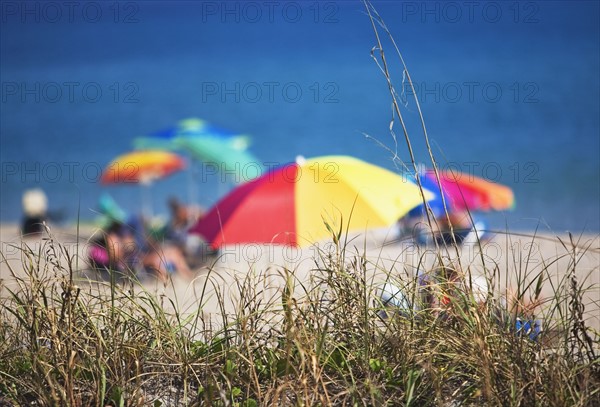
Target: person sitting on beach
{"points": [[35, 207], [437, 287], [114, 249], [127, 244], [445, 289], [183, 217], [453, 227], [164, 260]]}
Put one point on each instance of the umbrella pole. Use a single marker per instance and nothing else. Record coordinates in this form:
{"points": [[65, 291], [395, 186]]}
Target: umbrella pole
{"points": [[146, 201], [192, 192]]}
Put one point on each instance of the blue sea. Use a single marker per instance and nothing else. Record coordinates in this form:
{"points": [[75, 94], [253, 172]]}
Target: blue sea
{"points": [[510, 91]]}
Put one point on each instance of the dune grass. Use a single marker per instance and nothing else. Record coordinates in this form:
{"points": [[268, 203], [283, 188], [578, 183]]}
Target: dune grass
{"points": [[322, 341]]}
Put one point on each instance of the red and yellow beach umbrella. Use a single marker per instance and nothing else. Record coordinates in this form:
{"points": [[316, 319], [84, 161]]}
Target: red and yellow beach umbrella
{"points": [[142, 167], [290, 204]]}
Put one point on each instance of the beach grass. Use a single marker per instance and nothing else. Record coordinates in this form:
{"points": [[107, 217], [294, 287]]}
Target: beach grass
{"points": [[324, 340]]}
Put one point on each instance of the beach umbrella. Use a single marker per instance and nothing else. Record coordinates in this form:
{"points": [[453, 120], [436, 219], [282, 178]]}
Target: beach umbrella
{"points": [[469, 192], [219, 148], [192, 127], [142, 167], [226, 155], [436, 204], [463, 192], [289, 204]]}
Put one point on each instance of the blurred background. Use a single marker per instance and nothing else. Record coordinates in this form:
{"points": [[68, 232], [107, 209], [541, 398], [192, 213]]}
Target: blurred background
{"points": [[510, 92]]}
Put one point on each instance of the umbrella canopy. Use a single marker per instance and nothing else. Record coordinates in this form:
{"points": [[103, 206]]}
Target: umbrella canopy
{"points": [[465, 192], [289, 204], [193, 127], [142, 167], [436, 204], [205, 142], [226, 154]]}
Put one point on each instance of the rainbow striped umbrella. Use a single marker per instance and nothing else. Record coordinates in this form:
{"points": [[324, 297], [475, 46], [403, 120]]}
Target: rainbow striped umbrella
{"points": [[142, 167], [290, 204], [468, 192], [463, 192]]}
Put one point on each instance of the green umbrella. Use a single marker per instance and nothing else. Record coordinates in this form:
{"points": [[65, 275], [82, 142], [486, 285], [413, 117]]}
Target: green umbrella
{"points": [[222, 149], [229, 155]]}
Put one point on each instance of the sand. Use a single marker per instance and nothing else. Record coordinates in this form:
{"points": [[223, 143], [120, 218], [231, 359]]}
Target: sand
{"points": [[508, 255]]}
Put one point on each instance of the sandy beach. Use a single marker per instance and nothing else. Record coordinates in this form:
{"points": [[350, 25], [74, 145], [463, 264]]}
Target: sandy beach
{"points": [[508, 257]]}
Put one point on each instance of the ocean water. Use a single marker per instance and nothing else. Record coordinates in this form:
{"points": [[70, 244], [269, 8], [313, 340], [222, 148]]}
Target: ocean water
{"points": [[510, 91]]}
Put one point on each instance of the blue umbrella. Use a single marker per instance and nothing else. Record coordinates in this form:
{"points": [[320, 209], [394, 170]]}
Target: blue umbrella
{"points": [[166, 138], [436, 204]]}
